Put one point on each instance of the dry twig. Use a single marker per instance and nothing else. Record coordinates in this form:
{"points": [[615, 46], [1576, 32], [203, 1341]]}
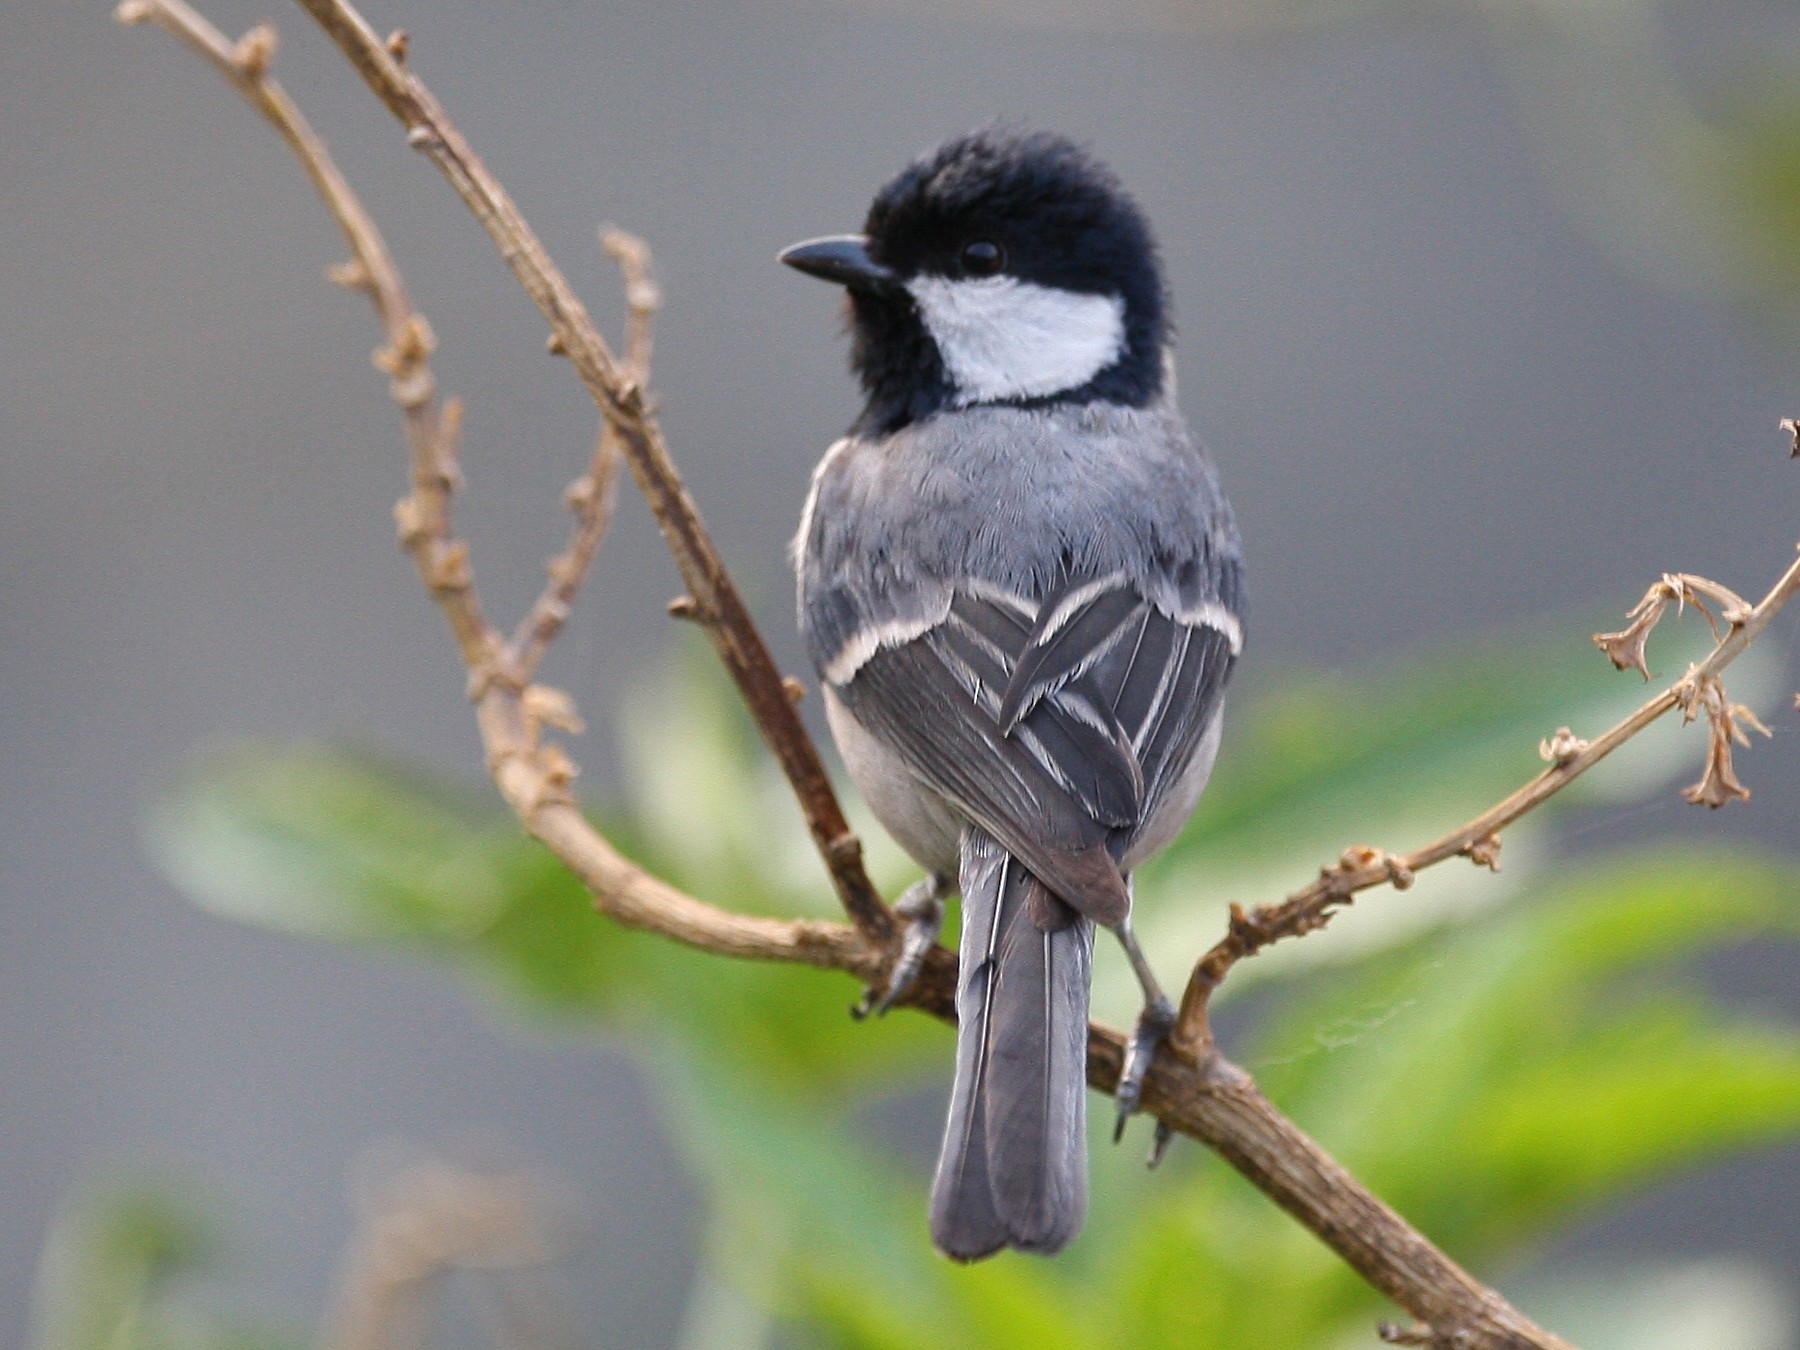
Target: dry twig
{"points": [[592, 496], [618, 390], [1358, 870], [1196, 1091]]}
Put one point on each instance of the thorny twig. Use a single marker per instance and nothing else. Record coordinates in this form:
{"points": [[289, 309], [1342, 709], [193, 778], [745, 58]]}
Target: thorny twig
{"points": [[1199, 1092]]}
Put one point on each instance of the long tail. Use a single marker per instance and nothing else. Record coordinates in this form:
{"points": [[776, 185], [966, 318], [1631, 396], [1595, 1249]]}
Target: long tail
{"points": [[1013, 1167]]}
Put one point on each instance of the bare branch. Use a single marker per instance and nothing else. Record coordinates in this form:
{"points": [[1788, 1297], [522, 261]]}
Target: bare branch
{"points": [[431, 432], [643, 297], [533, 777], [1310, 908], [621, 399], [593, 496]]}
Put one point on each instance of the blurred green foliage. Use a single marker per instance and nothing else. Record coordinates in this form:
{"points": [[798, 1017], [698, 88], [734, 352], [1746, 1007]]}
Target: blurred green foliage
{"points": [[1492, 1069], [114, 1272]]}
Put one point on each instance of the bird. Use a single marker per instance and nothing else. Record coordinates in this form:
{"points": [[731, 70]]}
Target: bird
{"points": [[1021, 586]]}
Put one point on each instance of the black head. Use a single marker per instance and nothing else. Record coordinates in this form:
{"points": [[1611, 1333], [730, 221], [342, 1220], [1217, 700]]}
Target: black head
{"points": [[1002, 267]]}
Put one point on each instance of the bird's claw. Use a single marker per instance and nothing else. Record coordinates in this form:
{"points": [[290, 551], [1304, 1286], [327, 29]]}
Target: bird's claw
{"points": [[922, 909], [1159, 1144], [1153, 1027]]}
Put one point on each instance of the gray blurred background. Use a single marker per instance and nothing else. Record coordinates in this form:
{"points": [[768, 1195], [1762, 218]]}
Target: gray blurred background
{"points": [[1466, 350]]}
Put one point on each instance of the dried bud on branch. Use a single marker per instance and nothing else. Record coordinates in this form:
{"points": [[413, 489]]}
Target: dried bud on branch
{"points": [[1562, 747], [1485, 852], [1625, 649], [1718, 784], [1392, 1333], [448, 568], [559, 771], [255, 50], [1360, 858], [1725, 724], [411, 521], [546, 706], [1734, 610]]}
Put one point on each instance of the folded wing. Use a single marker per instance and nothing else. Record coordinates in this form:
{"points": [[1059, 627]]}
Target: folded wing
{"points": [[1056, 727]]}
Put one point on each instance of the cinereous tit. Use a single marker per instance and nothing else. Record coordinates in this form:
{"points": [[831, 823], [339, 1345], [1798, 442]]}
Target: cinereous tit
{"points": [[1022, 588]]}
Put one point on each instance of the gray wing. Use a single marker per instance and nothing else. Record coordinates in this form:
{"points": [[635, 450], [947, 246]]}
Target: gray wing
{"points": [[1056, 727]]}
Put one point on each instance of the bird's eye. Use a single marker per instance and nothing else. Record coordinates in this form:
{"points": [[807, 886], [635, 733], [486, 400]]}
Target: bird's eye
{"points": [[983, 257]]}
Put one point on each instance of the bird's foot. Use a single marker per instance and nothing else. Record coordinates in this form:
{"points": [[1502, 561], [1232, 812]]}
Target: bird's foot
{"points": [[1153, 1027], [922, 910], [1159, 1144]]}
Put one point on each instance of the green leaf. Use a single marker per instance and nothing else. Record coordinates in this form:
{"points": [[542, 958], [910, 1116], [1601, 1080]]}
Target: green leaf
{"points": [[1549, 1056], [352, 846], [845, 1230], [113, 1261], [1491, 1077], [328, 843]]}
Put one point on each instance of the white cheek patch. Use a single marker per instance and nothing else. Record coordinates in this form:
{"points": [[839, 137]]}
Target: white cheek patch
{"points": [[1004, 338]]}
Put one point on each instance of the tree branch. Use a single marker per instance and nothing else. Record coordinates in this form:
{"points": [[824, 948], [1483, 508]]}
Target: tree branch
{"points": [[1361, 868], [620, 395], [592, 496], [1199, 1092], [532, 776]]}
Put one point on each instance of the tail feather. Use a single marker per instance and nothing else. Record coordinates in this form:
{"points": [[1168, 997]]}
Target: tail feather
{"points": [[1013, 1167]]}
